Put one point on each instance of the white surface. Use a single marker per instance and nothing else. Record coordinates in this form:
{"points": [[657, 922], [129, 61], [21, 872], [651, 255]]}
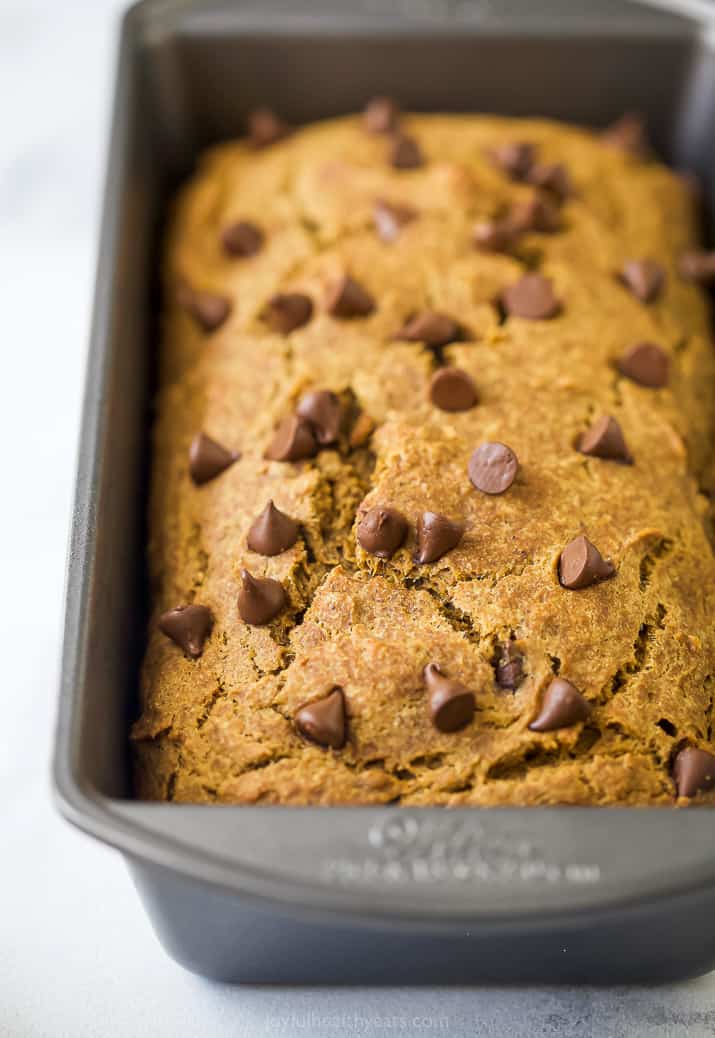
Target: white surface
{"points": [[77, 956]]}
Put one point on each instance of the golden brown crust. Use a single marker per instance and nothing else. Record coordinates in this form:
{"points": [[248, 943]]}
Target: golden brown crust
{"points": [[640, 646]]}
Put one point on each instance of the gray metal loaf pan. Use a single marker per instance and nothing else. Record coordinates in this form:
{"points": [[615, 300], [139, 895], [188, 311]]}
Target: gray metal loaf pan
{"points": [[356, 894]]}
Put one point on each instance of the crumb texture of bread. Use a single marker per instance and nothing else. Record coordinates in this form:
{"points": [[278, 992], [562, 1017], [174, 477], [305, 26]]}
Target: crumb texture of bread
{"points": [[327, 263]]}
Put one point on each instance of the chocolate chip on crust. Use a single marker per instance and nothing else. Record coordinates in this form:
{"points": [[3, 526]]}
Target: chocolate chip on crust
{"points": [[693, 771], [581, 565], [293, 440], [323, 721], [562, 706], [381, 531], [646, 364], [189, 626], [493, 467], [272, 532], [347, 299], [604, 439], [208, 459], [451, 704], [242, 238], [436, 535], [260, 599], [531, 297]]}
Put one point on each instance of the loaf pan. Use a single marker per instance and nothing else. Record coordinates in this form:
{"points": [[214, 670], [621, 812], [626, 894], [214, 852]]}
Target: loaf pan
{"points": [[358, 894]]}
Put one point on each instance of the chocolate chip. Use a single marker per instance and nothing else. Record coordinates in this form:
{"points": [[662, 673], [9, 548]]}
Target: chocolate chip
{"points": [[381, 115], [644, 278], [362, 430], [390, 219], [628, 134], [208, 310], [562, 706], [515, 158], [242, 239], [294, 440], [605, 439], [493, 468], [581, 565], [347, 298], [537, 214], [452, 389], [510, 668], [436, 535], [495, 235], [405, 152], [381, 531], [324, 412], [432, 328], [531, 297], [272, 532], [287, 311], [693, 771], [260, 599], [265, 127], [698, 267], [188, 626], [646, 364], [451, 704], [323, 721], [554, 178], [208, 459]]}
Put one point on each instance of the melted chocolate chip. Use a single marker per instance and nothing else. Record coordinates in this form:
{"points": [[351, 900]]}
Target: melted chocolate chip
{"points": [[208, 310], [405, 152], [581, 565], [436, 535], [347, 299], [495, 235], [605, 439], [510, 668], [324, 412], [493, 467], [644, 278], [451, 704], [514, 158], [189, 626], [362, 430], [294, 440], [554, 178], [390, 219], [323, 721], [260, 599], [381, 115], [432, 328], [265, 127], [537, 214], [628, 134], [242, 239], [562, 706], [646, 364], [287, 311], [208, 459], [693, 771], [531, 297], [698, 267], [272, 532], [381, 531], [452, 389]]}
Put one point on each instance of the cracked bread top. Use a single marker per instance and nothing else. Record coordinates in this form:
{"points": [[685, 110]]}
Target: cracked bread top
{"points": [[242, 713]]}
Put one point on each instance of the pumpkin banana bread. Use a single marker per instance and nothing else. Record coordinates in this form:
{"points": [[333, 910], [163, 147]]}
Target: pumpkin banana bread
{"points": [[432, 468]]}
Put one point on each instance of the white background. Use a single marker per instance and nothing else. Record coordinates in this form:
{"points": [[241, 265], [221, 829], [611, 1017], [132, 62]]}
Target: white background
{"points": [[77, 956]]}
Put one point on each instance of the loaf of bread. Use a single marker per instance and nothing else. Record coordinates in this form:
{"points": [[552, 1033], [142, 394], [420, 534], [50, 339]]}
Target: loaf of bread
{"points": [[432, 467]]}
